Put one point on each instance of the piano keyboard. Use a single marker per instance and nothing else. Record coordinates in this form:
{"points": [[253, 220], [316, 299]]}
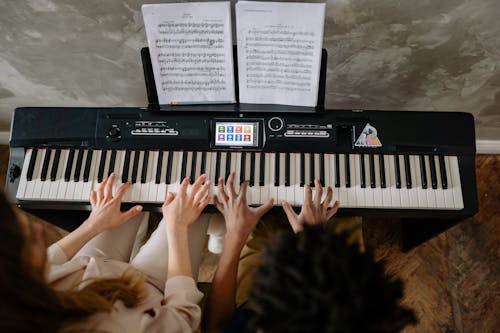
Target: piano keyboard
{"points": [[358, 180]]}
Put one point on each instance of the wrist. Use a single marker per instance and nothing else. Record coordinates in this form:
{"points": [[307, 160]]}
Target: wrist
{"points": [[90, 228], [234, 241]]}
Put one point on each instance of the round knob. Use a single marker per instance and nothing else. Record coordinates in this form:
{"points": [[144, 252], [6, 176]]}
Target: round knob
{"points": [[114, 134], [275, 124]]}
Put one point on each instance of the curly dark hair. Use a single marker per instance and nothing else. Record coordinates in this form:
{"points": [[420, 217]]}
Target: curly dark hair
{"points": [[314, 281]]}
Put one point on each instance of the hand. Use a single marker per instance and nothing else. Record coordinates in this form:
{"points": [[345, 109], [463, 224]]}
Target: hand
{"points": [[183, 209], [312, 212], [106, 212], [240, 219]]}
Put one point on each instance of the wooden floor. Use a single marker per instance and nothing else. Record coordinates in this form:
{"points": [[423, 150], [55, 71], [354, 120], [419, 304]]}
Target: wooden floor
{"points": [[453, 280]]}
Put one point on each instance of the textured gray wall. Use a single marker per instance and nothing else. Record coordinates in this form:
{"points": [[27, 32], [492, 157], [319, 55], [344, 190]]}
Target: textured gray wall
{"points": [[383, 54]]}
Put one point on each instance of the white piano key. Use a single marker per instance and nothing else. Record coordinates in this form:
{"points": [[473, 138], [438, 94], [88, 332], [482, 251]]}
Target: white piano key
{"points": [[369, 191], [342, 190], [45, 194], [189, 165], [351, 191], [162, 187], [273, 190], [395, 193], [23, 181], [265, 190], [386, 192], [214, 189], [455, 178], [333, 170], [54, 185], [120, 160], [34, 187], [92, 183], [197, 171], [413, 192], [377, 191], [405, 198], [148, 186], [308, 173], [431, 193], [440, 203], [71, 184], [290, 190], [236, 167], [448, 193], [281, 189], [359, 191], [421, 195], [127, 197], [298, 191], [255, 191], [151, 182]]}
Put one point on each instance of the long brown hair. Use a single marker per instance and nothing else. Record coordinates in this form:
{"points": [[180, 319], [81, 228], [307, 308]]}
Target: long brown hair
{"points": [[28, 304]]}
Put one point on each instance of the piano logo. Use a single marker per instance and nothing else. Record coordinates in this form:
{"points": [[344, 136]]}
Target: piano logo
{"points": [[368, 138]]}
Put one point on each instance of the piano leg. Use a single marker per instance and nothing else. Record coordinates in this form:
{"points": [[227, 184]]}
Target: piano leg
{"points": [[416, 231]]}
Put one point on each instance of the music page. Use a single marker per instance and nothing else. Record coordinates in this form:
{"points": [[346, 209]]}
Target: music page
{"points": [[191, 51], [279, 52]]}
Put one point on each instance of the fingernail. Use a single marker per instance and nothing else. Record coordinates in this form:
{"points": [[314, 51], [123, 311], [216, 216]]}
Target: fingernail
{"points": [[138, 208]]}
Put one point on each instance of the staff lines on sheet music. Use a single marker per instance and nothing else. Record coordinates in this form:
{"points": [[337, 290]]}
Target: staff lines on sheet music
{"points": [[276, 58], [191, 54], [187, 60], [178, 88], [278, 81], [257, 31], [278, 40], [277, 64], [191, 25], [277, 76], [180, 74], [209, 41], [277, 87], [280, 46], [175, 31], [194, 69], [195, 82], [283, 52]]}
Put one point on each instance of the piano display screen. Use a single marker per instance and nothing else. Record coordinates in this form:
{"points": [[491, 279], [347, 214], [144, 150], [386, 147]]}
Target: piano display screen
{"points": [[236, 133]]}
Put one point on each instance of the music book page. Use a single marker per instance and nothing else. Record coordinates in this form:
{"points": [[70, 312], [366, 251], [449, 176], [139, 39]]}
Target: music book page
{"points": [[191, 51], [279, 52]]}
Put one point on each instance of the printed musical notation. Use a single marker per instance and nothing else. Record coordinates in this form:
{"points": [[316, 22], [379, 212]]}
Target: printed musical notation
{"points": [[191, 51], [279, 52]]}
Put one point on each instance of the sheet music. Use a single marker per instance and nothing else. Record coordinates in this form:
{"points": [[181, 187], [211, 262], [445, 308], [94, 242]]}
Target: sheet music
{"points": [[191, 51], [279, 51]]}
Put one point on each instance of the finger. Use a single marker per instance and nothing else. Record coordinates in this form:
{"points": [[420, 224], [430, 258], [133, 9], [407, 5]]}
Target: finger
{"points": [[197, 185], [222, 191], [93, 198], [100, 190], [203, 204], [218, 204], [131, 213], [230, 185], [328, 197], [108, 189], [121, 191], [261, 210], [331, 211], [319, 192], [184, 186], [202, 192], [290, 213], [243, 191], [307, 194], [170, 197]]}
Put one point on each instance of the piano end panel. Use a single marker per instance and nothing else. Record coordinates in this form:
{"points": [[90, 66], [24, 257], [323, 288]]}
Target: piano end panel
{"points": [[16, 160]]}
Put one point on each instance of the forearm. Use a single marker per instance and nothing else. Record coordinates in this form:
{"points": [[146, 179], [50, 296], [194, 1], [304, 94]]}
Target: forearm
{"points": [[179, 259], [74, 241], [221, 299]]}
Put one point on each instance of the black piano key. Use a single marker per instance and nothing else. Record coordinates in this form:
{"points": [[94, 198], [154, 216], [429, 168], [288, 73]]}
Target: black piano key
{"points": [[262, 169], [158, 167], [126, 166], [55, 165], [144, 172], [102, 163], [135, 166], [337, 170], [382, 171], [407, 171], [397, 171], [287, 169], [252, 168], [69, 165], [276, 169], [88, 163], [373, 184], [31, 166], [192, 176], [322, 169], [45, 166], [347, 171], [78, 166], [228, 165], [217, 166], [112, 162], [362, 170], [183, 165], [243, 164], [203, 162], [170, 161], [302, 169], [442, 168], [432, 166], [423, 172], [312, 175]]}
